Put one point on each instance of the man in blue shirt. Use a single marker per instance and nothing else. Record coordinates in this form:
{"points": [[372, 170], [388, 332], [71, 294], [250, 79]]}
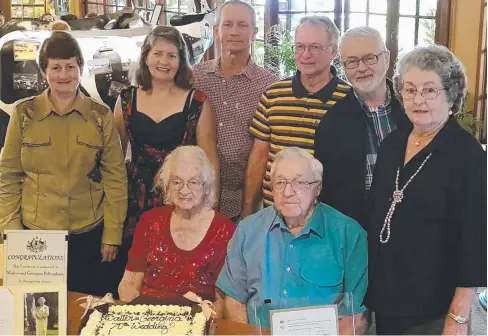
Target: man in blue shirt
{"points": [[297, 253]]}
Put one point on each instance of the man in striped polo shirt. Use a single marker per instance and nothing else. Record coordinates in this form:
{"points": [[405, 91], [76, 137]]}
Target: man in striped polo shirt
{"points": [[290, 110]]}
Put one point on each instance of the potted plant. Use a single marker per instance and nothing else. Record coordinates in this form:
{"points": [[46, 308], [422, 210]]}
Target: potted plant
{"points": [[468, 120], [276, 53]]}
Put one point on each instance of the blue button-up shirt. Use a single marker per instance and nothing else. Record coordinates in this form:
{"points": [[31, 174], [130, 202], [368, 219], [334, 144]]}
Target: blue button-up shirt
{"points": [[267, 267]]}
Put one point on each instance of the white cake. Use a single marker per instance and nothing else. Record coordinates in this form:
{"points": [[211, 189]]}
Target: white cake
{"points": [[145, 320]]}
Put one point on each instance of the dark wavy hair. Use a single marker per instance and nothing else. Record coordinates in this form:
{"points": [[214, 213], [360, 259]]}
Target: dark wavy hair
{"points": [[184, 74], [60, 45]]}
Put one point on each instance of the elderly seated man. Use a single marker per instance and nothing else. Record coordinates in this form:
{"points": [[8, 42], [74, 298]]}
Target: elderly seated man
{"points": [[299, 252]]}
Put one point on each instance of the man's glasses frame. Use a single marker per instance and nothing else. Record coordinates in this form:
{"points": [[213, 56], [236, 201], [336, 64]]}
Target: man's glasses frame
{"points": [[315, 49], [297, 185], [370, 59]]}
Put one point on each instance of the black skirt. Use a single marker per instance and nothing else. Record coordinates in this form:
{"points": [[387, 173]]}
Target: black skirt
{"points": [[86, 273]]}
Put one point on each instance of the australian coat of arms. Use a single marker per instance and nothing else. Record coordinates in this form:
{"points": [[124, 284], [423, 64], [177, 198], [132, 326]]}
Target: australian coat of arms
{"points": [[36, 245]]}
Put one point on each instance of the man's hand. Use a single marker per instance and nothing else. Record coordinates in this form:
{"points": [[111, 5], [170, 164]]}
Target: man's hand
{"points": [[453, 328], [109, 252]]}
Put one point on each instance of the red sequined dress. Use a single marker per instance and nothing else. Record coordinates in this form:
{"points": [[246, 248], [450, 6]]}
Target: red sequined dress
{"points": [[171, 272]]}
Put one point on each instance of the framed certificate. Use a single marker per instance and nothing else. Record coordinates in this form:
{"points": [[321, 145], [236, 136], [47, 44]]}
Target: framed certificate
{"points": [[318, 320], [35, 257]]}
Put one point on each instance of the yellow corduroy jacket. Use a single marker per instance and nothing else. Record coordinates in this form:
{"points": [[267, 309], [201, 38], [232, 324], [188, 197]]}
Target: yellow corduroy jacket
{"points": [[63, 172]]}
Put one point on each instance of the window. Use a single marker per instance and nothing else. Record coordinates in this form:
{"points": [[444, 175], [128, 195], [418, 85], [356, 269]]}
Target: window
{"points": [[27, 9], [291, 11], [101, 7], [144, 8], [258, 47], [95, 6], [403, 24], [371, 13], [420, 17], [174, 7]]}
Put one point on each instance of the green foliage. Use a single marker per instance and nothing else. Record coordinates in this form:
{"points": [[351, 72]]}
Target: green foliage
{"points": [[467, 119], [429, 27], [277, 56], [276, 53]]}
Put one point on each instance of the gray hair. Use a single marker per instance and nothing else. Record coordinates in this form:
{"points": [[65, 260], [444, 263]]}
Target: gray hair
{"points": [[218, 14], [190, 156], [296, 153], [364, 31], [440, 60], [320, 20], [41, 299]]}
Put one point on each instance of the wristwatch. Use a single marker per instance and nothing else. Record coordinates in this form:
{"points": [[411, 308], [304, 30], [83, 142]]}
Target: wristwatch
{"points": [[457, 318]]}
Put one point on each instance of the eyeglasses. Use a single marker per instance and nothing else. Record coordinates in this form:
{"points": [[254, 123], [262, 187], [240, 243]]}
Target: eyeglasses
{"points": [[427, 93], [298, 185], [314, 49], [353, 63], [193, 185]]}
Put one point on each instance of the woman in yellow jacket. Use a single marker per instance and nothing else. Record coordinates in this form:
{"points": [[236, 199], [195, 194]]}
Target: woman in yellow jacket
{"points": [[62, 169]]}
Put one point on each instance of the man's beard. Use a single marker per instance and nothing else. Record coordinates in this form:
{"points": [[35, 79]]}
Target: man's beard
{"points": [[370, 85]]}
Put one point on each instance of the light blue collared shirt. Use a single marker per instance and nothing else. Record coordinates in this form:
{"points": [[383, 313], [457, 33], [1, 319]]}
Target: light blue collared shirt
{"points": [[266, 263]]}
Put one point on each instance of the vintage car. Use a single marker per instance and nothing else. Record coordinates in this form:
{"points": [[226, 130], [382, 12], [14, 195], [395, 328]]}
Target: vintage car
{"points": [[110, 52]]}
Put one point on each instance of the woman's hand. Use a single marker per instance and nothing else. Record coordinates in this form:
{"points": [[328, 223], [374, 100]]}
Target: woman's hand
{"points": [[130, 285], [453, 328], [128, 293], [109, 252]]}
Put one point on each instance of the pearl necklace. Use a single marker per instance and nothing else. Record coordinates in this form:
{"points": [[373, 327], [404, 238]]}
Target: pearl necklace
{"points": [[397, 199]]}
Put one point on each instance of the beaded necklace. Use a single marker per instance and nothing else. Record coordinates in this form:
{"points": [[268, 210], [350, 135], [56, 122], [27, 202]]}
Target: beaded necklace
{"points": [[397, 199]]}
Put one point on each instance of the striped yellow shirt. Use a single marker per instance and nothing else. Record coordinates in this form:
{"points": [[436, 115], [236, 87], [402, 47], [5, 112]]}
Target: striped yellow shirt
{"points": [[287, 116]]}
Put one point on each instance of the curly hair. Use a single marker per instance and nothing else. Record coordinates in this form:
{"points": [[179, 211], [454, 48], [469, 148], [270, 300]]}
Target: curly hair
{"points": [[440, 60], [190, 156], [184, 74]]}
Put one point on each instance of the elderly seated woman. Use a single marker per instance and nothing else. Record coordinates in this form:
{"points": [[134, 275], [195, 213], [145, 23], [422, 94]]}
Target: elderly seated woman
{"points": [[179, 247], [299, 252]]}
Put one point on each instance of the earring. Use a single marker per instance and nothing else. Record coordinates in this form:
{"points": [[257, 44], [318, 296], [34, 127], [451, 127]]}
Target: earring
{"points": [[450, 112]]}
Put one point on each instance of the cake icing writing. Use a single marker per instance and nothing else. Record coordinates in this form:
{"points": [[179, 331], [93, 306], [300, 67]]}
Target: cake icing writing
{"points": [[146, 320]]}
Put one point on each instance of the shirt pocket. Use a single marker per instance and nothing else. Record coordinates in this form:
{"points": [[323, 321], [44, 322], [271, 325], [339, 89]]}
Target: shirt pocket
{"points": [[89, 142], [322, 279], [87, 147], [34, 153]]}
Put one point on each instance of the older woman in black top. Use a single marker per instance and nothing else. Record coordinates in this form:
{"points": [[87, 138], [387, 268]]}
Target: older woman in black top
{"points": [[427, 223]]}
